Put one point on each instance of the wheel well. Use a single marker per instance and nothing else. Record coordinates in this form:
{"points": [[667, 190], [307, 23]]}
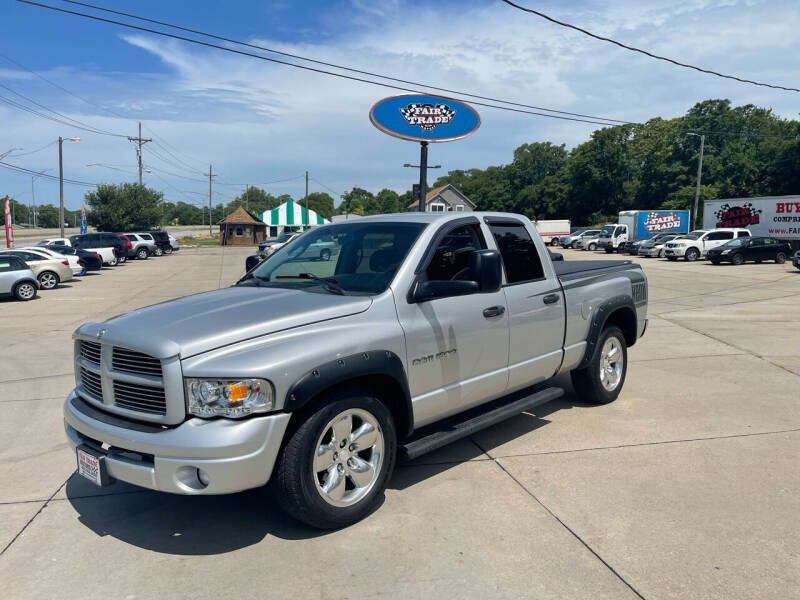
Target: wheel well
{"points": [[625, 319], [384, 387]]}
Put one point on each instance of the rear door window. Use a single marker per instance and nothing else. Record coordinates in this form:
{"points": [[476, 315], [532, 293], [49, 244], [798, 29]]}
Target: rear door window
{"points": [[520, 257], [743, 234]]}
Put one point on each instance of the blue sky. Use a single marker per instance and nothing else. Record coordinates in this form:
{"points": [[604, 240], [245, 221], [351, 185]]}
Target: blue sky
{"points": [[258, 122]]}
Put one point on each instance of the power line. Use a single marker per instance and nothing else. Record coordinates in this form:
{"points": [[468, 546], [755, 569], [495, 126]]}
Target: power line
{"points": [[80, 124], [261, 182], [645, 52], [34, 151], [172, 174], [44, 175], [332, 191], [592, 120], [156, 140], [334, 65]]}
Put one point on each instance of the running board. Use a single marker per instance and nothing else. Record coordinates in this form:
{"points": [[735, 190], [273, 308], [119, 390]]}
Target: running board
{"points": [[461, 426]]}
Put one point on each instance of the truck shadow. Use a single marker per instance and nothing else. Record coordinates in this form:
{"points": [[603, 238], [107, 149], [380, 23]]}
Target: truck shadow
{"points": [[183, 525]]}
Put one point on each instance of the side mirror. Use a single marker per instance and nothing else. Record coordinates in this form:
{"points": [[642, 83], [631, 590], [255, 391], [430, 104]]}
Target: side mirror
{"points": [[487, 270], [556, 256], [251, 261], [430, 290]]}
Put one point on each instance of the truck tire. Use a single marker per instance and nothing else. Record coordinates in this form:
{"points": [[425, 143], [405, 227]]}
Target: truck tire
{"points": [[554, 242], [123, 259], [113, 262], [167, 250], [158, 251], [780, 258], [601, 381], [692, 254], [142, 253], [324, 477], [25, 291]]}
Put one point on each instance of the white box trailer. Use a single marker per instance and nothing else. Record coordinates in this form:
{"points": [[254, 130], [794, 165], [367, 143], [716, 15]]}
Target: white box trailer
{"points": [[770, 216], [550, 231]]}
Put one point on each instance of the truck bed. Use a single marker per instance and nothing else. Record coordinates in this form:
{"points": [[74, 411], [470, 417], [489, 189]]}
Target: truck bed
{"points": [[569, 269]]}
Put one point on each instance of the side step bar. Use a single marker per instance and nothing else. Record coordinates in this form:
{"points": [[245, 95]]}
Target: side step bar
{"points": [[468, 423]]}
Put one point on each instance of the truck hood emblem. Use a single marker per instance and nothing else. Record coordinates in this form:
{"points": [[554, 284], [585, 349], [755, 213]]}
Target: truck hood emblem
{"points": [[101, 333]]}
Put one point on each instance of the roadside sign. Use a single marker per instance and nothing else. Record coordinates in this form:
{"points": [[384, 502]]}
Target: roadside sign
{"points": [[424, 118], [771, 216]]}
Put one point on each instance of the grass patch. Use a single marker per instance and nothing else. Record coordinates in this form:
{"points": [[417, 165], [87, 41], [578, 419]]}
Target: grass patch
{"points": [[199, 241]]}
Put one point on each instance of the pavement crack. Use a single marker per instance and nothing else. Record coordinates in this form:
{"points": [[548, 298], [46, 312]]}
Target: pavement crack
{"points": [[642, 444], [38, 512], [564, 525]]}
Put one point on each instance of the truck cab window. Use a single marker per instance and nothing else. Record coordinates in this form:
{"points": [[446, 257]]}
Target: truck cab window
{"points": [[451, 258], [520, 256]]}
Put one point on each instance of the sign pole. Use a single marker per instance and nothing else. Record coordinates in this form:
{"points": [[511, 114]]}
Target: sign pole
{"points": [[423, 175]]}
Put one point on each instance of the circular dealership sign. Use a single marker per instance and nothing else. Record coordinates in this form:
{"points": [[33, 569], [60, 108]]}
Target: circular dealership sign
{"points": [[424, 118]]}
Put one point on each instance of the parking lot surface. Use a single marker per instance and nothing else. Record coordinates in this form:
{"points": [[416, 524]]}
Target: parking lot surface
{"points": [[688, 486]]}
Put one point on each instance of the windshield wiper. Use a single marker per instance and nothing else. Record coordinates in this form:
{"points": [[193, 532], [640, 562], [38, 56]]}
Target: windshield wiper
{"points": [[330, 283]]}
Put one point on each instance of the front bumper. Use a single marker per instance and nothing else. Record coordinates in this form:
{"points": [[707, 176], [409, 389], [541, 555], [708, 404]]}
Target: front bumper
{"points": [[679, 251], [796, 261], [650, 252], [235, 455]]}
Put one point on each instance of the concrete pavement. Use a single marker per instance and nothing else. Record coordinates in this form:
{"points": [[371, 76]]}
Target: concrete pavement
{"points": [[687, 486]]}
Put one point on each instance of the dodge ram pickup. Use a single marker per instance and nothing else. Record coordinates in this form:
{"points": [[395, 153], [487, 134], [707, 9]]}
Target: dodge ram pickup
{"points": [[316, 375]]}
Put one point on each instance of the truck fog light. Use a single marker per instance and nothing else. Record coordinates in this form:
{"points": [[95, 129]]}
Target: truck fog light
{"points": [[232, 398], [203, 477]]}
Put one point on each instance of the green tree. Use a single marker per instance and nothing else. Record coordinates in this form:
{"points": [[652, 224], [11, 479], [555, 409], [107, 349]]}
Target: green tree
{"points": [[46, 216], [255, 200], [355, 202], [124, 207], [321, 203], [389, 202]]}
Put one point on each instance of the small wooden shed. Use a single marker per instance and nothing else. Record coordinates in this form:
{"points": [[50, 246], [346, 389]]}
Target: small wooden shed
{"points": [[240, 228]]}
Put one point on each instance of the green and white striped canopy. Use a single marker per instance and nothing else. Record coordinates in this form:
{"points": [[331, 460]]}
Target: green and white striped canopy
{"points": [[293, 214]]}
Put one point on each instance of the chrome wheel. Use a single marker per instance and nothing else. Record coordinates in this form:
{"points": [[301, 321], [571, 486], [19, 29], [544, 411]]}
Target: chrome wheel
{"points": [[348, 457], [48, 280], [113, 262], [611, 364]]}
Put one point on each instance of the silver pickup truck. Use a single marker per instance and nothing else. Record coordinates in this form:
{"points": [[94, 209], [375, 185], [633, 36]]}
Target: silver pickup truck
{"points": [[317, 375]]}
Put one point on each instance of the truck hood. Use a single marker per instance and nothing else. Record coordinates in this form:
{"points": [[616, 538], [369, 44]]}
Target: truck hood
{"points": [[195, 324]]}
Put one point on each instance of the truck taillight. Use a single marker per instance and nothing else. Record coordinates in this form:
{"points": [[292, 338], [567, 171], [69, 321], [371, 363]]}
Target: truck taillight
{"points": [[97, 256]]}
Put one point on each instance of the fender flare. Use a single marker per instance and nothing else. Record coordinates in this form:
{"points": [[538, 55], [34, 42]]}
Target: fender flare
{"points": [[353, 368], [599, 320]]}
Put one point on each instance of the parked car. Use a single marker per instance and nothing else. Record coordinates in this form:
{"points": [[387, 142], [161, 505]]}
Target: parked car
{"points": [[570, 241], [654, 247], [173, 243], [696, 244], [161, 240], [54, 241], [74, 264], [756, 249], [49, 271], [142, 245], [318, 381], [588, 242], [117, 247], [88, 258], [267, 247], [17, 279], [796, 259]]}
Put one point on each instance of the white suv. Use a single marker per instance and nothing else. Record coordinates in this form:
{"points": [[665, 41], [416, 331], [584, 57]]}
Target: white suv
{"points": [[696, 243]]}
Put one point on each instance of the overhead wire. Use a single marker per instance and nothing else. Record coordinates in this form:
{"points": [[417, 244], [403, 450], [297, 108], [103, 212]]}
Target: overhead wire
{"points": [[54, 142], [640, 51], [330, 64], [592, 120], [27, 171]]}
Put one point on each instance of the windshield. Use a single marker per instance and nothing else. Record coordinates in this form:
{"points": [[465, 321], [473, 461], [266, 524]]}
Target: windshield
{"points": [[358, 258], [590, 233], [284, 237], [693, 235], [735, 243], [607, 231]]}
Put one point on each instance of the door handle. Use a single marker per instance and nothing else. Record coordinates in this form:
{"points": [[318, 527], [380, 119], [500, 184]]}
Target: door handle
{"points": [[493, 311], [550, 299]]}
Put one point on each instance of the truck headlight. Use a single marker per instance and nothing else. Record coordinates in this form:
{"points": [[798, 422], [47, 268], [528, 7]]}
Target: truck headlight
{"points": [[232, 398]]}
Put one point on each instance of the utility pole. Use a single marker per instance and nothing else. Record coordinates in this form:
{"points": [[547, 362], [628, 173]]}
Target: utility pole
{"points": [[308, 218], [139, 143], [33, 206], [699, 177], [60, 187], [210, 177]]}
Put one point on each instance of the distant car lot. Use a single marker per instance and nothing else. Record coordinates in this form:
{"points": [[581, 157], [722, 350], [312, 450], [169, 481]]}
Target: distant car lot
{"points": [[686, 487]]}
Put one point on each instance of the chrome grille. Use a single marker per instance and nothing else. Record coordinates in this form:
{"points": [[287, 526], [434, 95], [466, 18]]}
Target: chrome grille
{"points": [[143, 398], [91, 383], [131, 361], [91, 352]]}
